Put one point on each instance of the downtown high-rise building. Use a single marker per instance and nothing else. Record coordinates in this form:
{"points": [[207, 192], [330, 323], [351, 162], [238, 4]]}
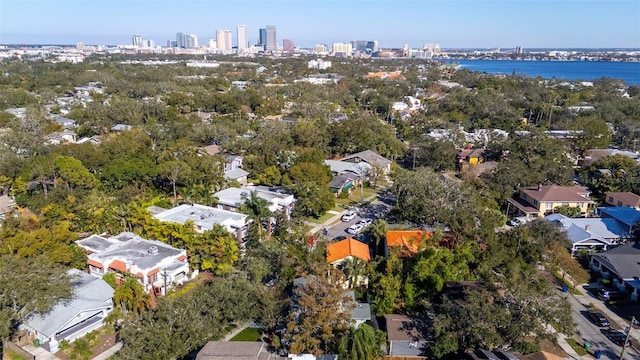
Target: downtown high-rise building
{"points": [[136, 40], [223, 39], [181, 40], [243, 41], [288, 46], [272, 41], [262, 38]]}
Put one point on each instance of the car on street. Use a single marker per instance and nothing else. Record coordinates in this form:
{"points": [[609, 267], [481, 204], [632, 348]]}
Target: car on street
{"points": [[365, 222], [348, 216], [598, 318], [355, 229], [617, 337], [608, 295]]}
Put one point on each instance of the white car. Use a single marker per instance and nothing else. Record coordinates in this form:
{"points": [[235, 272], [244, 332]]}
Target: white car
{"points": [[518, 221], [349, 216], [365, 222], [355, 229]]}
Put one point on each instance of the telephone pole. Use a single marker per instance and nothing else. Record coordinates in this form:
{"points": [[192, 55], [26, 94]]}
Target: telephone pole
{"points": [[164, 276], [624, 345]]}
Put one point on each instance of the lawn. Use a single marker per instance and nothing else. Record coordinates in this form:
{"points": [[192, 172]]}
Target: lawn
{"points": [[248, 334], [356, 196], [574, 344]]}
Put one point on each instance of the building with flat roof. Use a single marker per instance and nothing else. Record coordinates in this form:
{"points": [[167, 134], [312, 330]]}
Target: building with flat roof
{"points": [[271, 39], [153, 262], [277, 201], [204, 218], [243, 41]]}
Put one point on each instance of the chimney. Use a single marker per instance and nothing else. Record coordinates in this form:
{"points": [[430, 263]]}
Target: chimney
{"points": [[539, 186]]}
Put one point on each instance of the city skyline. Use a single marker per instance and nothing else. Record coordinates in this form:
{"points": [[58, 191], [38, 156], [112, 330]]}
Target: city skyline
{"points": [[453, 24]]}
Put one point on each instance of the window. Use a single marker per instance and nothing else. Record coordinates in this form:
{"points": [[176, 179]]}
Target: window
{"points": [[619, 203], [153, 278], [611, 199], [535, 202]]}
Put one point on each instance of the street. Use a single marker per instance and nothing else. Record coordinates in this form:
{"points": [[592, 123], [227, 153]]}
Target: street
{"points": [[377, 209], [592, 333]]}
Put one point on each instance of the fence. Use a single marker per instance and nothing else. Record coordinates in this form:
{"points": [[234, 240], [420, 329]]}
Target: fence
{"points": [[9, 346]]}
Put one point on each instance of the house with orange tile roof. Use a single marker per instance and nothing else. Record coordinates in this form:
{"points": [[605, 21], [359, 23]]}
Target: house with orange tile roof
{"points": [[410, 242], [155, 264], [346, 251], [350, 248], [541, 200]]}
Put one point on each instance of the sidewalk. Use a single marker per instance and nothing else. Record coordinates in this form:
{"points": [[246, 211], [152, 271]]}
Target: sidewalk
{"points": [[109, 352]]}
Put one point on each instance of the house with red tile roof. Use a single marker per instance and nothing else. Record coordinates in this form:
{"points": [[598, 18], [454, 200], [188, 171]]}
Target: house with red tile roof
{"points": [[156, 265]]}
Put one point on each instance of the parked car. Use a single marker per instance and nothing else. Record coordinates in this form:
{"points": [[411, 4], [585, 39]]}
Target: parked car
{"points": [[355, 228], [598, 318], [365, 222], [348, 216], [617, 337], [608, 295], [518, 221]]}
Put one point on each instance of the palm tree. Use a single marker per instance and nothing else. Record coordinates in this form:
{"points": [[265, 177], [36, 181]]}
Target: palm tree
{"points": [[258, 209], [363, 343]]}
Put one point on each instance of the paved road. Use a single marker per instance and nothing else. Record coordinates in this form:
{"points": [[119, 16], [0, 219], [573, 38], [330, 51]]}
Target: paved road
{"points": [[376, 209], [590, 332]]}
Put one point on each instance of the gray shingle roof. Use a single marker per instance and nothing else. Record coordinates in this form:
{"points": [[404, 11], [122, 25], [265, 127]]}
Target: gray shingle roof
{"points": [[90, 295], [623, 260]]}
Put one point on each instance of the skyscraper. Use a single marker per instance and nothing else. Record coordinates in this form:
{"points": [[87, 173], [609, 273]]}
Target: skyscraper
{"points": [[287, 45], [272, 41], [181, 40], [137, 40], [223, 39], [262, 38], [192, 41], [242, 37]]}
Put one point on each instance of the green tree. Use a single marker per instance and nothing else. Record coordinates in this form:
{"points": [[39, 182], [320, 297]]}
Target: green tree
{"points": [[568, 211], [258, 210], [35, 289], [363, 343], [74, 174], [321, 314]]}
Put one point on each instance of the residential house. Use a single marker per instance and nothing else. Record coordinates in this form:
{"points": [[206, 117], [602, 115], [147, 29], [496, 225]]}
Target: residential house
{"points": [[470, 156], [406, 336], [277, 201], [361, 312], [63, 121], [410, 242], [360, 169], [238, 175], [622, 199], [121, 127], [204, 218], [57, 138], [72, 319], [543, 199], [627, 216], [156, 265], [94, 140], [593, 155], [235, 350], [372, 158], [620, 265], [592, 233], [343, 183], [233, 162], [346, 251], [7, 205]]}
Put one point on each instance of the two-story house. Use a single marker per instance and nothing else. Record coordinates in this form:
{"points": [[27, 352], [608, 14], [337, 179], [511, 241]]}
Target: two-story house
{"points": [[541, 200], [626, 198], [156, 265]]}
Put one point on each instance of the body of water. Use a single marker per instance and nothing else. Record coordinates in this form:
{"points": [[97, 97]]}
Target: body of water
{"points": [[629, 72]]}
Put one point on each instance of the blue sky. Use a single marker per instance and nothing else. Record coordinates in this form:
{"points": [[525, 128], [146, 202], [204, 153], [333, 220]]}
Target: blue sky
{"points": [[451, 23]]}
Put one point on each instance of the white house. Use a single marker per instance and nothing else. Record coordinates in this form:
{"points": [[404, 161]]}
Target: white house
{"points": [[277, 201], [591, 233], [158, 266], [204, 218], [73, 319]]}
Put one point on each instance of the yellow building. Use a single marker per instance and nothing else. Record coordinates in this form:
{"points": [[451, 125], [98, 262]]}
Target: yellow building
{"points": [[541, 200]]}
